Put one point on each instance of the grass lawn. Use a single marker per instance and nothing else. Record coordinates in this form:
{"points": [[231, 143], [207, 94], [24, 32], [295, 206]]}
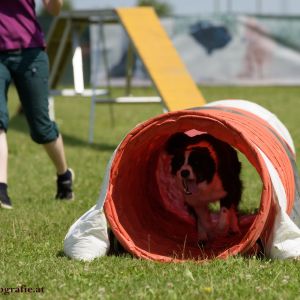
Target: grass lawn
{"points": [[31, 235]]}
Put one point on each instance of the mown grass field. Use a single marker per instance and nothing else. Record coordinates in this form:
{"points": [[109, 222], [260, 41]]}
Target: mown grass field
{"points": [[31, 235]]}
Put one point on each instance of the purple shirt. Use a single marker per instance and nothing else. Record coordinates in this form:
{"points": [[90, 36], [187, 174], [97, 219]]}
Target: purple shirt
{"points": [[18, 25]]}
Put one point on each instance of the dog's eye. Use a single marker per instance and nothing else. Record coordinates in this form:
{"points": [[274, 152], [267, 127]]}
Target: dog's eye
{"points": [[194, 160], [199, 156], [177, 162]]}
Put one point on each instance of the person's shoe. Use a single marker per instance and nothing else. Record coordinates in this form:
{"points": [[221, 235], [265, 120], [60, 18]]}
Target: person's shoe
{"points": [[64, 186], [5, 201]]}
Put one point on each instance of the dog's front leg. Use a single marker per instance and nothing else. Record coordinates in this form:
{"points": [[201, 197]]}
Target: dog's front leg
{"points": [[201, 232], [204, 224], [233, 221], [228, 221]]}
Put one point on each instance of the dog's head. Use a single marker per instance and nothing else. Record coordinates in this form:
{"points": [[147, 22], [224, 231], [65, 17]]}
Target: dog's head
{"points": [[193, 161]]}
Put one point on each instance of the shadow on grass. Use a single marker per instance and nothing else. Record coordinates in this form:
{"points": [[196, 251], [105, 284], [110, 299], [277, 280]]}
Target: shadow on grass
{"points": [[61, 253], [18, 123]]}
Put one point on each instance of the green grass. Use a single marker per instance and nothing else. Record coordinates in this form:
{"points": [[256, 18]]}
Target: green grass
{"points": [[31, 235]]}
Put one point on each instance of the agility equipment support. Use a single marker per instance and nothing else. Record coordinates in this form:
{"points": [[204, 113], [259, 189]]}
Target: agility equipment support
{"points": [[164, 65]]}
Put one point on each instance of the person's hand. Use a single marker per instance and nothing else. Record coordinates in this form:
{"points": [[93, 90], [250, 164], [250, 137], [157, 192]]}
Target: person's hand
{"points": [[53, 6]]}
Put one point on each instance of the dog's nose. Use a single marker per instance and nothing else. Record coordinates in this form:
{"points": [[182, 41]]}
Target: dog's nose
{"points": [[185, 173]]}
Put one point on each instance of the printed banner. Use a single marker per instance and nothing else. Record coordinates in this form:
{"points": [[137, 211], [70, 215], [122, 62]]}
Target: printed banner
{"points": [[216, 50]]}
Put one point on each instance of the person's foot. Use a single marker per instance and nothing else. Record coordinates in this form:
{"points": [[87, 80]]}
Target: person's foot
{"points": [[64, 186], [5, 201]]}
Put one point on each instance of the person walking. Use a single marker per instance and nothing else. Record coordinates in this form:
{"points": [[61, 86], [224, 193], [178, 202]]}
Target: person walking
{"points": [[23, 59]]}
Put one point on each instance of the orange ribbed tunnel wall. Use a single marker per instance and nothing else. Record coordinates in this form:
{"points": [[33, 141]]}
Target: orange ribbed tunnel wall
{"points": [[141, 209]]}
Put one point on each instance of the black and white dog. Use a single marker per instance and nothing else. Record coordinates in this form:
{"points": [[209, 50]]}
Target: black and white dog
{"points": [[207, 170]]}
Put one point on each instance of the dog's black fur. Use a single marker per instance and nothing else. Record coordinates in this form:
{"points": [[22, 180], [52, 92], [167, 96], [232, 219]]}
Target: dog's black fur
{"points": [[197, 164], [204, 166]]}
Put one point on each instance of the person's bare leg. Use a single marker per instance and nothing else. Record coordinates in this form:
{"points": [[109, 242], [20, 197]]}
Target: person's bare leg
{"points": [[65, 176], [5, 201], [55, 151], [3, 157]]}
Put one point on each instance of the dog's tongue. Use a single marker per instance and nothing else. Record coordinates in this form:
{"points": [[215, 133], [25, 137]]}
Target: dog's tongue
{"points": [[189, 186]]}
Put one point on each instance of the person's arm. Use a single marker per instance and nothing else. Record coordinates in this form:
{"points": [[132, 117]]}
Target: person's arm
{"points": [[53, 6]]}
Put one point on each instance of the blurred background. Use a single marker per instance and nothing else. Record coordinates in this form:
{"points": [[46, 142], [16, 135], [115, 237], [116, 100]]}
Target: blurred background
{"points": [[231, 42]]}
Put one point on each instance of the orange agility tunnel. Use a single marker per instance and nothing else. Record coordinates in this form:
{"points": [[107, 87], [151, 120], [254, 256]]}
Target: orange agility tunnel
{"points": [[145, 208], [146, 212]]}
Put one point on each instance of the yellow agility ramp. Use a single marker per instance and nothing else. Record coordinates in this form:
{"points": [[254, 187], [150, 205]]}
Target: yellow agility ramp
{"points": [[164, 65]]}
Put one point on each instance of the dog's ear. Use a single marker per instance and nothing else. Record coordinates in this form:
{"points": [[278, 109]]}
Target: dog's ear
{"points": [[177, 141]]}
